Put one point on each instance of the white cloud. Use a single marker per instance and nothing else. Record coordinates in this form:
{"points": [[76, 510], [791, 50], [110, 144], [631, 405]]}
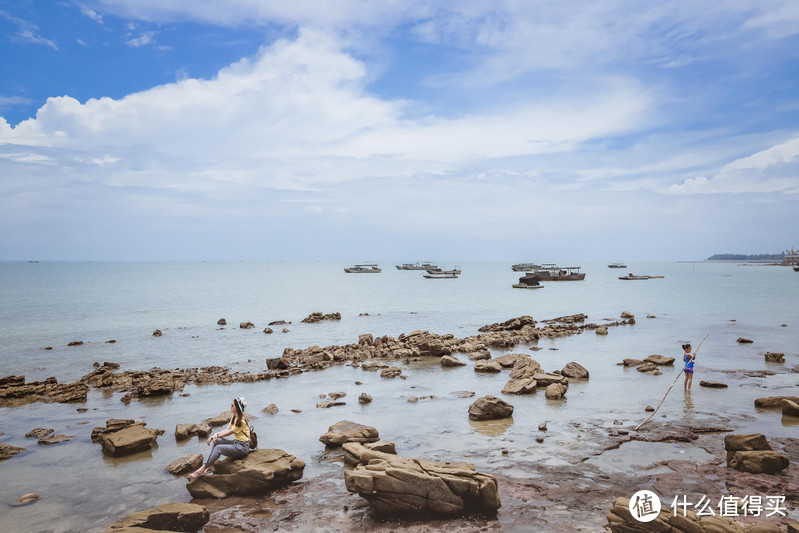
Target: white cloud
{"points": [[302, 104], [774, 170], [92, 14], [27, 31], [142, 40]]}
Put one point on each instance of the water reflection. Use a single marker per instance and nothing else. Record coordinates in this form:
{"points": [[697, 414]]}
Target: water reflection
{"points": [[491, 428], [788, 420]]}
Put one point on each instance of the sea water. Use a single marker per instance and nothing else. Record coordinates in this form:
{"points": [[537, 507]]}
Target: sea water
{"points": [[49, 304]]}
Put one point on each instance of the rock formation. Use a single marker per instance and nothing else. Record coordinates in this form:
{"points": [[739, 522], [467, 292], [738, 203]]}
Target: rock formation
{"points": [[407, 486], [125, 437], [346, 431]]}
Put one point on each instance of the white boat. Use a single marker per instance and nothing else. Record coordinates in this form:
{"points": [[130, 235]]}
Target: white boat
{"points": [[419, 265], [364, 269], [441, 275]]}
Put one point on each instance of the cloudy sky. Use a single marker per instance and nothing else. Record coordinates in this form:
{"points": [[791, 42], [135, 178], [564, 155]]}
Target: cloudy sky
{"points": [[352, 130]]}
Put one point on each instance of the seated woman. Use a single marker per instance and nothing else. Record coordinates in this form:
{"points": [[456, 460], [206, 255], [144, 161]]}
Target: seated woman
{"points": [[236, 448]]}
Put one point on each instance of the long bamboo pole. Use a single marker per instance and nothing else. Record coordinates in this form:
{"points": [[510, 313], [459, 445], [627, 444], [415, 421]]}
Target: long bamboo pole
{"points": [[672, 384]]}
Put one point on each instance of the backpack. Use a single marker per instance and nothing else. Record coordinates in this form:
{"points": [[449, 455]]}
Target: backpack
{"points": [[253, 438]]}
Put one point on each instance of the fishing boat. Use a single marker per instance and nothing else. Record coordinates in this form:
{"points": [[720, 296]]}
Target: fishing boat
{"points": [[441, 275], [524, 267], [455, 271], [632, 276], [419, 265], [552, 272], [529, 281], [364, 269], [617, 265], [796, 268]]}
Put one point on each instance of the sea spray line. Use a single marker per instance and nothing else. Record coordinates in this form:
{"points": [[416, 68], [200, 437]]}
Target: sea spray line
{"points": [[672, 384]]}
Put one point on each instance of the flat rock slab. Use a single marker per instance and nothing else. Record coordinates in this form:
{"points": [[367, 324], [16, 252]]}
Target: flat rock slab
{"points": [[346, 431], [659, 360], [395, 485], [256, 474], [38, 433], [56, 439], [713, 384], [774, 402], [169, 517]]}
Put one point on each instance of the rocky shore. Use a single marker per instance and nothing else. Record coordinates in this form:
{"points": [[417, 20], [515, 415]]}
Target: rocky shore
{"points": [[367, 484]]}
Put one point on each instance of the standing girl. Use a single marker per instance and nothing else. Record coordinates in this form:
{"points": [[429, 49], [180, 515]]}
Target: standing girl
{"points": [[236, 448], [688, 360]]}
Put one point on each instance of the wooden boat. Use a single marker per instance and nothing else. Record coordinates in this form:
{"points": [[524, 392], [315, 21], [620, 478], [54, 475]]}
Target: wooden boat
{"points": [[455, 271], [441, 275], [419, 265], [364, 269], [551, 272], [529, 281], [617, 265], [524, 267], [632, 276]]}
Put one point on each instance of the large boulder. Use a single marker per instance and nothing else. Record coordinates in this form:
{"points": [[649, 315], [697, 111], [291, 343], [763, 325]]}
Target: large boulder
{"points": [[490, 408], [346, 431], [170, 517], [575, 371], [128, 440], [395, 485], [185, 431], [356, 453], [254, 475]]}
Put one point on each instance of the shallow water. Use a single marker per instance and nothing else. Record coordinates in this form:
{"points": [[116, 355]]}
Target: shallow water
{"points": [[51, 304]]}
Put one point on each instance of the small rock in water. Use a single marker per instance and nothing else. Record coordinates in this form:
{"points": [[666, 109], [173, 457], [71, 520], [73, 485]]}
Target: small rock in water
{"points": [[741, 340], [157, 333], [713, 384], [38, 433], [649, 409], [542, 426], [359, 383], [296, 410], [539, 440], [504, 452], [271, 409], [26, 499], [364, 398]]}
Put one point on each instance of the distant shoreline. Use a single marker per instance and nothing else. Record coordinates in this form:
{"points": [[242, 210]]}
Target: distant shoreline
{"points": [[742, 261]]}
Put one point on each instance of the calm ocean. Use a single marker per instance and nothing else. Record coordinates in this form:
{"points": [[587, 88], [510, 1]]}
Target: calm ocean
{"points": [[53, 303]]}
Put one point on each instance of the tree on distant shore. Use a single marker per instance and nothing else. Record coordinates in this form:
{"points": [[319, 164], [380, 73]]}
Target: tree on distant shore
{"points": [[744, 257]]}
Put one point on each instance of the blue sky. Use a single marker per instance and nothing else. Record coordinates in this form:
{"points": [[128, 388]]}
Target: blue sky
{"points": [[353, 130]]}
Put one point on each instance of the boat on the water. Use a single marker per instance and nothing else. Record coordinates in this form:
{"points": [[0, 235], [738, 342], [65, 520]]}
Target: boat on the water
{"points": [[552, 272], [524, 267], [455, 271], [632, 276], [796, 268], [419, 265], [441, 275], [529, 281], [617, 265], [364, 269]]}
